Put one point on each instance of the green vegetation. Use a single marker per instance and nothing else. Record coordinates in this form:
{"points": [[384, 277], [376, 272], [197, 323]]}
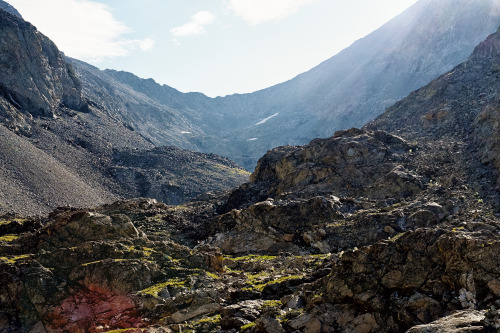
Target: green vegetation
{"points": [[122, 330], [247, 326], [6, 222], [252, 257], [272, 303], [8, 238], [14, 259], [254, 279], [155, 289], [99, 261], [208, 324], [394, 238], [212, 275]]}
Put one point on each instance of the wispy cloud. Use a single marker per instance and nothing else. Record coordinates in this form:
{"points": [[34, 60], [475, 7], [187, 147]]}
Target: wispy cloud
{"points": [[83, 29], [259, 11], [194, 27]]}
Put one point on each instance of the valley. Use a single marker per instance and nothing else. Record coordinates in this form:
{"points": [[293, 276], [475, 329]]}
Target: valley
{"points": [[108, 223]]}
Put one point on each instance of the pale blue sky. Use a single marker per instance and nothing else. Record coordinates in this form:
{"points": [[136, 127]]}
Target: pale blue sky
{"points": [[217, 47]]}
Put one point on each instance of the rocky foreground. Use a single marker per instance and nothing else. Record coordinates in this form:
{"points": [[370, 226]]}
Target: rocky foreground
{"points": [[356, 233]]}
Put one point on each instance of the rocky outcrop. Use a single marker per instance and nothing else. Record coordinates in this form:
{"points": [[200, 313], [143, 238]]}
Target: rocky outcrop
{"points": [[34, 76], [95, 271], [9, 9]]}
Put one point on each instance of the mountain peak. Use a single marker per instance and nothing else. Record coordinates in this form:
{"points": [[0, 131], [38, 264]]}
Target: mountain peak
{"points": [[9, 9]]}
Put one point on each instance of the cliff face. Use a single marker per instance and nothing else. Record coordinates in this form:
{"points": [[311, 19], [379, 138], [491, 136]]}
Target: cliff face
{"points": [[35, 77]]}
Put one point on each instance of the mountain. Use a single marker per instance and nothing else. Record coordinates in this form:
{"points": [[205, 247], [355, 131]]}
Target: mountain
{"points": [[346, 90], [364, 231], [61, 148], [9, 9]]}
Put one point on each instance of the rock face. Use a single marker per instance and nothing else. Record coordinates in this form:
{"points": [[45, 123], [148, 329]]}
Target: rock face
{"points": [[459, 105], [37, 79], [9, 9], [61, 148], [346, 90]]}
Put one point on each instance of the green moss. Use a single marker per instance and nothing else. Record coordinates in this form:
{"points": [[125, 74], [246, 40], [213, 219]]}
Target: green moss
{"points": [[252, 257], [122, 330], [394, 238], [14, 259], [8, 238], [254, 279], [212, 275], [247, 326], [99, 261], [271, 304], [214, 319], [18, 220], [155, 289]]}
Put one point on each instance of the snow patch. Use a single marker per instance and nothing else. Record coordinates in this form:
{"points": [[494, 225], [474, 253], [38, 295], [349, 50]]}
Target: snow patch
{"points": [[252, 139], [184, 132], [266, 119]]}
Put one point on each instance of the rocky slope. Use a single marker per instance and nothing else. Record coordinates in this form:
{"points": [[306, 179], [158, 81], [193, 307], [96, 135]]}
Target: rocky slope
{"points": [[347, 90], [61, 148], [390, 228], [365, 231]]}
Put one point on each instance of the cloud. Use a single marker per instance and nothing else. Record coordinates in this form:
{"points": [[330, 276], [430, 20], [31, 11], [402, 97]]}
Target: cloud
{"points": [[194, 27], [258, 11], [82, 29]]}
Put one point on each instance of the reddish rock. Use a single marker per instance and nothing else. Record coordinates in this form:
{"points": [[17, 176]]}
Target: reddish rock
{"points": [[94, 311]]}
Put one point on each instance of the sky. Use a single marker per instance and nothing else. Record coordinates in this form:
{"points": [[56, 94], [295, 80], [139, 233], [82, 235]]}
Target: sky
{"points": [[217, 47]]}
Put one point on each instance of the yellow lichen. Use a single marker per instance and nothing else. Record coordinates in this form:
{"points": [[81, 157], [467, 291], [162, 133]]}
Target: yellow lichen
{"points": [[14, 259], [8, 238], [155, 289]]}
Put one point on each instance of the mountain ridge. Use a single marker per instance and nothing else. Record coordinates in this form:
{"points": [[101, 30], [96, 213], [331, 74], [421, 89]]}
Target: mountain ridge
{"points": [[75, 143], [426, 40]]}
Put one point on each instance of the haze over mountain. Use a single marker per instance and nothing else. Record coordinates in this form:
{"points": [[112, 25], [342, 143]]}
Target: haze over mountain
{"points": [[347, 90]]}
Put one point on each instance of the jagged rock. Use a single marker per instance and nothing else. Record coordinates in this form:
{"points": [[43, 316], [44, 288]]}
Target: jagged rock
{"points": [[9, 9], [350, 162], [35, 84], [426, 272], [268, 325], [187, 314], [461, 321]]}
